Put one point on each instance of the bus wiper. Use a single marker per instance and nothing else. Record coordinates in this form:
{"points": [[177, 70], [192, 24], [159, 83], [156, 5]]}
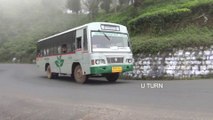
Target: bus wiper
{"points": [[105, 35]]}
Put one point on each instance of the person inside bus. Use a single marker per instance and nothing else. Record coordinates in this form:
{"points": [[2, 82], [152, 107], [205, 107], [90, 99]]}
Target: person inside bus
{"points": [[64, 48], [39, 53]]}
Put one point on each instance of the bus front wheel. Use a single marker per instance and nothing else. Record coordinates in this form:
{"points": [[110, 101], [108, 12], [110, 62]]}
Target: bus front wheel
{"points": [[50, 74], [78, 75], [112, 77]]}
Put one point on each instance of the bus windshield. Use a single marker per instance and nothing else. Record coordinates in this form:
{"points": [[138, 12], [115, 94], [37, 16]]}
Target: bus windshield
{"points": [[109, 39]]}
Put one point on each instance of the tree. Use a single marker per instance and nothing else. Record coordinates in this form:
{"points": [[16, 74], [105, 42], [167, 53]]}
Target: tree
{"points": [[51, 5], [123, 2], [74, 5], [137, 3], [115, 4], [92, 6], [106, 5]]}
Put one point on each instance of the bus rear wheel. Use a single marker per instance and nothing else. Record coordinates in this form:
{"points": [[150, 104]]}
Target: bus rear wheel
{"points": [[78, 75], [112, 77], [50, 74]]}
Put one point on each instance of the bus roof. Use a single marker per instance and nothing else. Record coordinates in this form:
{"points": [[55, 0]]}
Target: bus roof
{"points": [[76, 28]]}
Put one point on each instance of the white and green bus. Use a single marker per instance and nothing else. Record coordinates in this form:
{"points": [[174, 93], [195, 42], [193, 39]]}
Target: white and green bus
{"points": [[95, 49]]}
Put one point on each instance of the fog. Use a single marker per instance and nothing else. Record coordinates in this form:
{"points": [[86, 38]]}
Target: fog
{"points": [[23, 22], [21, 18], [17, 15], [13, 8], [19, 4]]}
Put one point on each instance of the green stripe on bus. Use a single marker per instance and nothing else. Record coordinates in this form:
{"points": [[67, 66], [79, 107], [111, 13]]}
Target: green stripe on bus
{"points": [[108, 69]]}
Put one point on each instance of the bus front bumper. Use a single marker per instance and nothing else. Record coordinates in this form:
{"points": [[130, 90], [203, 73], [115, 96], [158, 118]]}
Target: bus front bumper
{"points": [[109, 69]]}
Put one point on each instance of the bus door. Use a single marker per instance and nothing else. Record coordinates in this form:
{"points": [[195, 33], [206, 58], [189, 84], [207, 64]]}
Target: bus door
{"points": [[79, 46], [81, 51], [86, 53]]}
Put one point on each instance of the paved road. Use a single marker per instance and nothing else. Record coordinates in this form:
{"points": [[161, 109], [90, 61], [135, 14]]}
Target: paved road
{"points": [[26, 94]]}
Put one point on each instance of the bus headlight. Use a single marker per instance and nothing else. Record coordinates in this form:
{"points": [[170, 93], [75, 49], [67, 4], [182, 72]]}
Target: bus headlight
{"points": [[98, 61], [129, 60]]}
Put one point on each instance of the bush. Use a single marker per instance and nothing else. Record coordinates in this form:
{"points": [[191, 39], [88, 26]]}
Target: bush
{"points": [[157, 20], [191, 36], [159, 17]]}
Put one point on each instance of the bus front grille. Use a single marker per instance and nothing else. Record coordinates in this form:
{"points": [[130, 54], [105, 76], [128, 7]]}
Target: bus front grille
{"points": [[115, 60]]}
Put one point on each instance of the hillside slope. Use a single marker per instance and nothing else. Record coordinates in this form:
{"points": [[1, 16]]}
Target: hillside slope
{"points": [[19, 32], [164, 24], [155, 26]]}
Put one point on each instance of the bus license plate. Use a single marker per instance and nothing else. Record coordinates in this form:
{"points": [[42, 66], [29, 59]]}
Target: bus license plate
{"points": [[116, 69]]}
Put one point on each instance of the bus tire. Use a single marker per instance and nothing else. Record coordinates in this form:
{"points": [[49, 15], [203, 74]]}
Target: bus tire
{"points": [[50, 74], [112, 77], [78, 75]]}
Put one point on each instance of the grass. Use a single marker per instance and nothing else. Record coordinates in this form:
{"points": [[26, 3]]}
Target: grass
{"points": [[161, 25], [161, 15], [190, 36], [156, 26]]}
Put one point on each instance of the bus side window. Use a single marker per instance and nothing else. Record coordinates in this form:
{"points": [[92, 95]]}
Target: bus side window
{"points": [[59, 50], [38, 53], [72, 47], [47, 51], [64, 48], [69, 48], [85, 40], [78, 45], [72, 40], [51, 50], [44, 51]]}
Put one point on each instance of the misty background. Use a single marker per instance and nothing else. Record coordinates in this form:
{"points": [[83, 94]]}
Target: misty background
{"points": [[154, 25], [23, 22]]}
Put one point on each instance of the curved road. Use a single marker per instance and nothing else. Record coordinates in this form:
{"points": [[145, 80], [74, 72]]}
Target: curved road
{"points": [[26, 94]]}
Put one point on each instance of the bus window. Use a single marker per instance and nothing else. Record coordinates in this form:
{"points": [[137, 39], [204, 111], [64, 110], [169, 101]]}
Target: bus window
{"points": [[47, 51], [44, 52], [59, 49], [64, 48], [51, 50], [38, 53], [78, 45], [71, 41], [72, 47], [85, 40]]}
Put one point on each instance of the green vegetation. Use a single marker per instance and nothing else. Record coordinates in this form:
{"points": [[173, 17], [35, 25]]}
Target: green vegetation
{"points": [[22, 44], [161, 15], [20, 32], [191, 36], [161, 25], [154, 25]]}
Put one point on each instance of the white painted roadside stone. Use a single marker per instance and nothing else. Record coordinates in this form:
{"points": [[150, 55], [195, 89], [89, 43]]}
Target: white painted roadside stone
{"points": [[207, 52], [189, 62], [187, 53]]}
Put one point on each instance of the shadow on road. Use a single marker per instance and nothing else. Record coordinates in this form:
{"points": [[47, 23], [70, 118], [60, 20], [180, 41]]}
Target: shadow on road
{"points": [[103, 82], [90, 81]]}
